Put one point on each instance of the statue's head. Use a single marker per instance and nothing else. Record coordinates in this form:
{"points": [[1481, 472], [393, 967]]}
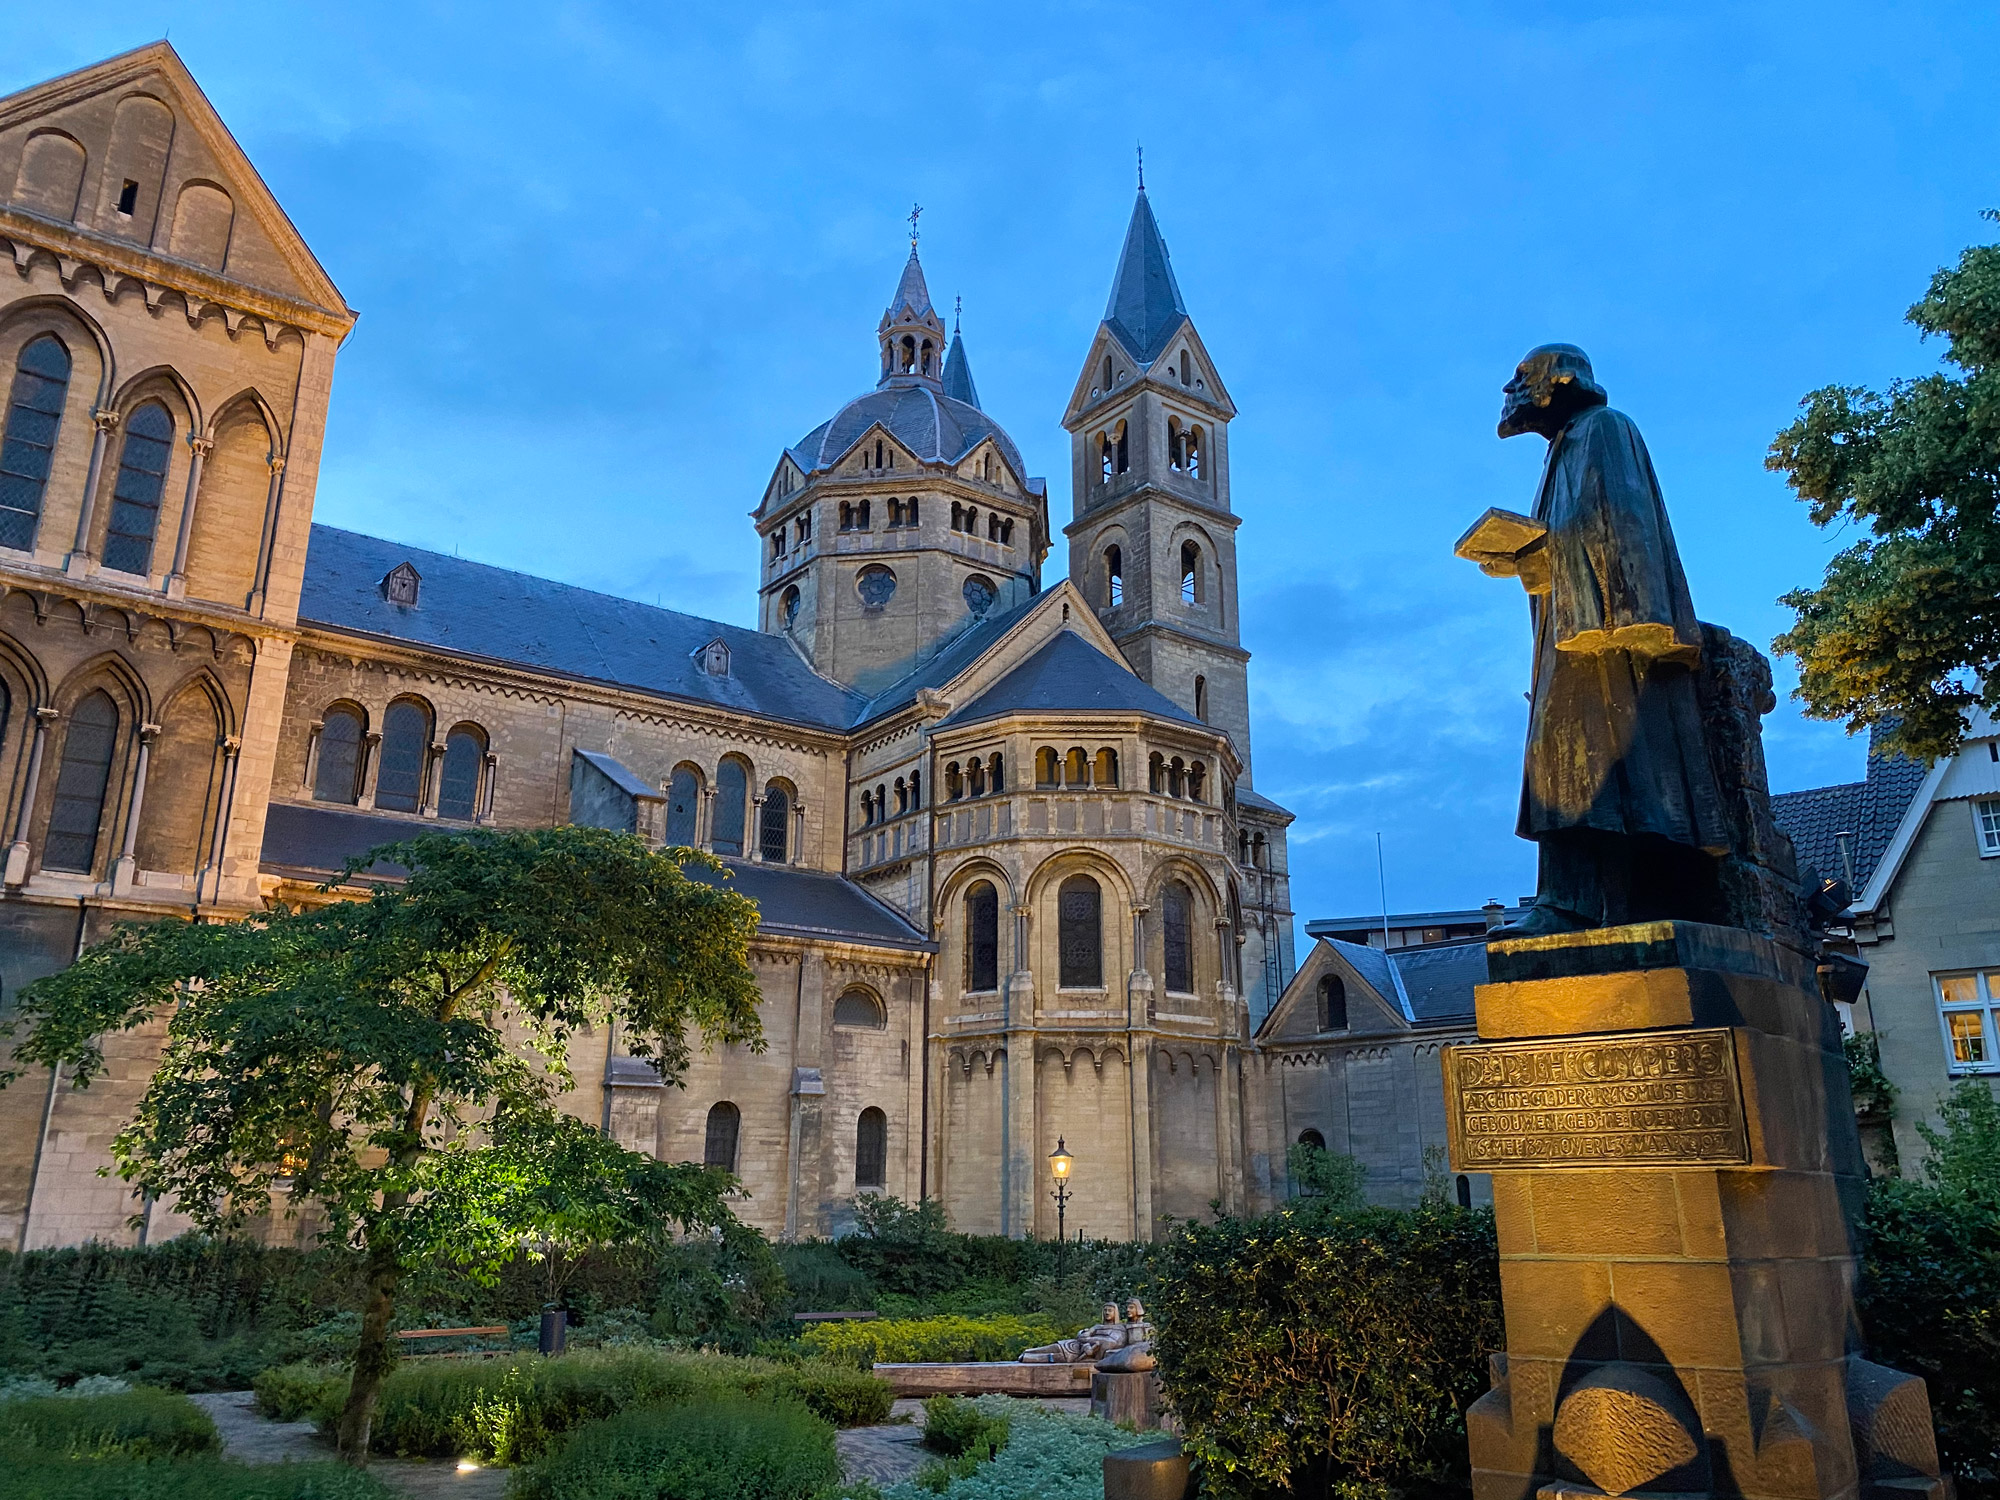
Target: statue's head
{"points": [[1134, 1310], [1550, 385], [1111, 1312]]}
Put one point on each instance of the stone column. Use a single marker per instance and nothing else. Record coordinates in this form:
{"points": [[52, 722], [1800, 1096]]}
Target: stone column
{"points": [[1140, 1001], [232, 749], [127, 865], [1664, 1110], [433, 785], [706, 821], [17, 852], [199, 449], [78, 562], [371, 759], [754, 842], [274, 495], [486, 792], [313, 731], [798, 833]]}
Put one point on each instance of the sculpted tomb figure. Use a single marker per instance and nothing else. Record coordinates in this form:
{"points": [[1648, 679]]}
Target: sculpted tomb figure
{"points": [[1089, 1344]]}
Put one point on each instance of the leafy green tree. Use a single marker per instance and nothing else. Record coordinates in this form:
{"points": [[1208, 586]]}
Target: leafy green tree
{"points": [[1328, 1181], [1965, 1155], [1904, 630], [345, 1053]]}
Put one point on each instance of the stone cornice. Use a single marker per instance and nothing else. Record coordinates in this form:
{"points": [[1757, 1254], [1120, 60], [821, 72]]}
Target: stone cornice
{"points": [[95, 600], [116, 263]]}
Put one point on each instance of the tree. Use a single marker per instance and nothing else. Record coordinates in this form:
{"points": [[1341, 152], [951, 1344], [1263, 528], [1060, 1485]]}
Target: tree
{"points": [[1904, 631], [354, 1052]]}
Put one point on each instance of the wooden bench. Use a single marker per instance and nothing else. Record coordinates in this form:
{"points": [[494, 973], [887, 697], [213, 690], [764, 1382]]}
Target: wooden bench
{"points": [[834, 1317], [452, 1333]]}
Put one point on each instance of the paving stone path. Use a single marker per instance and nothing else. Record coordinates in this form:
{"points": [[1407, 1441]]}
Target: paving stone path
{"points": [[255, 1439]]}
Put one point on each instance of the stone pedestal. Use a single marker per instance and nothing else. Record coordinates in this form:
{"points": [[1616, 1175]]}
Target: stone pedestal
{"points": [[1676, 1179], [1127, 1396], [1151, 1471]]}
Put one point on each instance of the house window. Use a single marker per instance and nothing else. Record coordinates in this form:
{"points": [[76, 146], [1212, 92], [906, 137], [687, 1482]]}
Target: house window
{"points": [[1966, 1006], [34, 412], [80, 785], [1987, 816], [1174, 904], [1079, 934], [982, 937], [732, 786], [871, 1146], [406, 741], [135, 501], [458, 791], [1332, 1003], [719, 1150], [338, 778]]}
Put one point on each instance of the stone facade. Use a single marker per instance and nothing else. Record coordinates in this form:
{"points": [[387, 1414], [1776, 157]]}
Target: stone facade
{"points": [[1014, 883]]}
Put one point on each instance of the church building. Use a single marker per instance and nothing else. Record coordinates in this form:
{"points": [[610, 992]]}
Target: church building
{"points": [[1014, 883]]}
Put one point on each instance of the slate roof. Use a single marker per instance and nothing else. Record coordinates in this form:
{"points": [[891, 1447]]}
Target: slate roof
{"points": [[806, 903], [1869, 809], [620, 775], [961, 651], [913, 293], [1438, 980], [933, 425], [1249, 797], [1145, 307], [312, 842], [495, 614], [958, 374], [1069, 675]]}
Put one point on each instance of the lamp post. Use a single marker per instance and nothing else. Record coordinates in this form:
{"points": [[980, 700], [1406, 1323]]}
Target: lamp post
{"points": [[1059, 1167]]}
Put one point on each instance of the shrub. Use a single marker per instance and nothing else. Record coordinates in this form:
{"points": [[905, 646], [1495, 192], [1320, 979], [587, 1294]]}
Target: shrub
{"points": [[1326, 1180], [1047, 1456], [905, 1247], [1930, 1283], [953, 1425], [1343, 1350], [292, 1393], [729, 1450], [128, 1424], [929, 1340], [31, 1478], [514, 1409], [821, 1280]]}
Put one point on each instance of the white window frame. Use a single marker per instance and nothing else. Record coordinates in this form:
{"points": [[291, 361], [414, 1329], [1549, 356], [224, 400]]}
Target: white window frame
{"points": [[1986, 983], [1986, 826]]}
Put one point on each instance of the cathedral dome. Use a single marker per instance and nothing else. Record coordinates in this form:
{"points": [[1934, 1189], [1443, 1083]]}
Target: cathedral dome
{"points": [[935, 427]]}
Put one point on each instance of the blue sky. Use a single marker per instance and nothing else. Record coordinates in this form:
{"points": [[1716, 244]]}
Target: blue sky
{"points": [[609, 260]]}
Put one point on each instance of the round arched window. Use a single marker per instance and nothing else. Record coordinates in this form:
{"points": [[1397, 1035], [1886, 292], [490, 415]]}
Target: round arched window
{"points": [[875, 584], [979, 593], [857, 1007], [788, 606]]}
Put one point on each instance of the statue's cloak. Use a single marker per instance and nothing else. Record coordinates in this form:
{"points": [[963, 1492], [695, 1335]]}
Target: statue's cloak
{"points": [[1615, 738]]}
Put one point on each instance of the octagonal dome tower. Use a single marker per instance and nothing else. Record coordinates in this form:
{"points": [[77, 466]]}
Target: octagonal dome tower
{"points": [[906, 517]]}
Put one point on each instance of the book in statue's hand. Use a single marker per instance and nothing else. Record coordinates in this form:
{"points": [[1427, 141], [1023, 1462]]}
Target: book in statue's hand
{"points": [[1499, 534]]}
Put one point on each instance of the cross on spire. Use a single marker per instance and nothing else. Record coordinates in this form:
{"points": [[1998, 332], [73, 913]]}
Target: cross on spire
{"points": [[916, 212], [957, 307], [1142, 166]]}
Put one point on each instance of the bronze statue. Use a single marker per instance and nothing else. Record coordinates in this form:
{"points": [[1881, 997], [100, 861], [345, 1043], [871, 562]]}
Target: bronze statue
{"points": [[1088, 1345], [1618, 791]]}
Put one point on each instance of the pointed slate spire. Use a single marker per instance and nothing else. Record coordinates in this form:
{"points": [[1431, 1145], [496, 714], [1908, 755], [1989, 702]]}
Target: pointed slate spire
{"points": [[913, 296], [1145, 306], [958, 374]]}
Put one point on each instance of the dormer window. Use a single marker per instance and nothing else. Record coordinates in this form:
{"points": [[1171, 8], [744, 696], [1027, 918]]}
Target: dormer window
{"points": [[714, 658], [400, 585]]}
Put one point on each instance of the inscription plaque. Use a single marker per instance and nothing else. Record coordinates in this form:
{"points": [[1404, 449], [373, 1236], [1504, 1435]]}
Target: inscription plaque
{"points": [[1639, 1098]]}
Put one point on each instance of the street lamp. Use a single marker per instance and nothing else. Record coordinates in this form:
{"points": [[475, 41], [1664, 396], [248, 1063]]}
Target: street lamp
{"points": [[1059, 1169]]}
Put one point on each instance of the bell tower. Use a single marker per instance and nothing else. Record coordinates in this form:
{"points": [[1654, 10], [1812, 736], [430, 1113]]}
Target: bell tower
{"points": [[1153, 540]]}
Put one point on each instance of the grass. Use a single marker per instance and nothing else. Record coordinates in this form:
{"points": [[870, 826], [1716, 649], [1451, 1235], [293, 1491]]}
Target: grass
{"points": [[38, 1477], [734, 1449], [127, 1424]]}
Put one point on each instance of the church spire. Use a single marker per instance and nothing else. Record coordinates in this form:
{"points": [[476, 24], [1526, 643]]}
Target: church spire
{"points": [[1145, 306], [911, 332], [958, 373]]}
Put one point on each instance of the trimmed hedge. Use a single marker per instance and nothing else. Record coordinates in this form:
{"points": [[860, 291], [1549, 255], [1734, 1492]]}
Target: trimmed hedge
{"points": [[129, 1424], [1336, 1351], [898, 1341], [24, 1478], [518, 1408], [734, 1449]]}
